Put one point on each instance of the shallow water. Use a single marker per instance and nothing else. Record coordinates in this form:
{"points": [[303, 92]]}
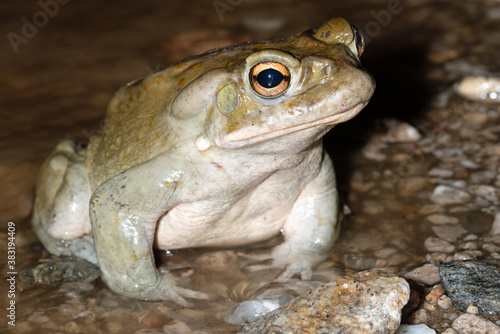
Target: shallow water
{"points": [[58, 80]]}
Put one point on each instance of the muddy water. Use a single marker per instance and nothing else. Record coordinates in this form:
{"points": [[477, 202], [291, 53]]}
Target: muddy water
{"points": [[57, 76]]}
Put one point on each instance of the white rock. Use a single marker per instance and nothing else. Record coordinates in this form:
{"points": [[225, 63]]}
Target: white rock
{"points": [[444, 302], [372, 151], [495, 229], [399, 131], [440, 172], [473, 324], [488, 192], [478, 88], [443, 194], [415, 329], [491, 248], [449, 233], [419, 317], [470, 164], [433, 244], [450, 331], [440, 219], [427, 274]]}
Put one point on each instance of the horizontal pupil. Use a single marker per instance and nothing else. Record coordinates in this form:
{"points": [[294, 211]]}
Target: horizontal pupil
{"points": [[269, 78]]}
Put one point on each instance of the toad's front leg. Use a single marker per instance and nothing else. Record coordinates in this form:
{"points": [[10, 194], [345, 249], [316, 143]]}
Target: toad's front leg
{"points": [[124, 212], [309, 230]]}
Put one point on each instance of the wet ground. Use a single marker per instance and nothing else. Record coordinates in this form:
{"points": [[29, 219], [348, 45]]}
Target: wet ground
{"points": [[57, 77]]}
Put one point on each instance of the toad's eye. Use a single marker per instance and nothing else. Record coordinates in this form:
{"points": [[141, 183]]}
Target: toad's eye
{"points": [[269, 79], [360, 41]]}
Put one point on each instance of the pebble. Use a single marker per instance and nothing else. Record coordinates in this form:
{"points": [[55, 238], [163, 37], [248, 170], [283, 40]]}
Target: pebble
{"points": [[387, 252], [472, 282], [449, 233], [440, 172], [250, 310], [427, 274], [473, 324], [444, 194], [450, 331], [490, 193], [436, 293], [459, 256], [53, 274], [359, 262], [444, 302], [373, 207], [470, 164], [491, 248], [399, 131], [419, 317], [415, 329], [363, 303], [441, 219], [433, 244], [470, 245], [428, 209], [495, 228], [479, 88], [411, 185], [472, 309]]}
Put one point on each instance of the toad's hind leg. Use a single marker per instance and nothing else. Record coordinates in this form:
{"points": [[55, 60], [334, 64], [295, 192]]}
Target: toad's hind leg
{"points": [[61, 210]]}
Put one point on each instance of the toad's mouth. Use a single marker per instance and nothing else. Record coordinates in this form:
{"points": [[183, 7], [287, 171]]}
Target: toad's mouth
{"points": [[243, 135]]}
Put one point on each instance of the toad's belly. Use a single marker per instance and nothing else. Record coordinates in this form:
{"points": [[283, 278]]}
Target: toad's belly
{"points": [[182, 227]]}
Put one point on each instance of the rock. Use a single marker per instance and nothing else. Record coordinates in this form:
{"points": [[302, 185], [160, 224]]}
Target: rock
{"points": [[472, 309], [366, 302], [495, 228], [440, 172], [427, 274], [491, 248], [450, 331], [436, 293], [373, 207], [384, 253], [372, 151], [473, 324], [411, 185], [398, 131], [250, 310], [490, 193], [443, 194], [477, 222], [419, 317], [449, 233], [433, 244], [472, 282], [479, 88], [415, 329], [53, 274], [359, 262], [440, 219], [444, 302]]}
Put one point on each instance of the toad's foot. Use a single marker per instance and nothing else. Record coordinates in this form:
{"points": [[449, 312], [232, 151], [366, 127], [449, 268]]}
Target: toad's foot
{"points": [[292, 262], [165, 288]]}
